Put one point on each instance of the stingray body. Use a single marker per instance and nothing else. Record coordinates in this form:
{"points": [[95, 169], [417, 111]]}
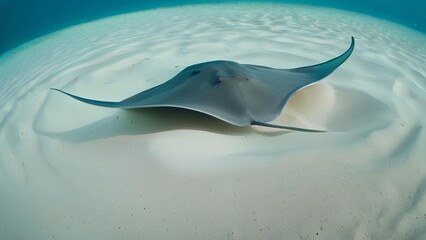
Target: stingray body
{"points": [[240, 94]]}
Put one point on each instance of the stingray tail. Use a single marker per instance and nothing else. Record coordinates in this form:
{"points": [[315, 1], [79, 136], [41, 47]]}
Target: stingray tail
{"points": [[91, 101], [322, 70], [285, 127]]}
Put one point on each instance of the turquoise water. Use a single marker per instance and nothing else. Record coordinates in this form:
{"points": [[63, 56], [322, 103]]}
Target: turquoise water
{"points": [[23, 20]]}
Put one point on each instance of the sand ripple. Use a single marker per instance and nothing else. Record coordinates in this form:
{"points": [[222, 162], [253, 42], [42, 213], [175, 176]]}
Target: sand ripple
{"points": [[70, 170]]}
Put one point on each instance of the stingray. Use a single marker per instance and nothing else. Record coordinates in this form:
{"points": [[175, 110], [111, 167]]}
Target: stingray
{"points": [[240, 94]]}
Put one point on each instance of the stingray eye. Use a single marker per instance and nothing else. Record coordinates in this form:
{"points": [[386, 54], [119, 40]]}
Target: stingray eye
{"points": [[195, 72]]}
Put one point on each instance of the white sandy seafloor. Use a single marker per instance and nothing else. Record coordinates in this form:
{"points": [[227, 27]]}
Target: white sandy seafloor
{"points": [[69, 170]]}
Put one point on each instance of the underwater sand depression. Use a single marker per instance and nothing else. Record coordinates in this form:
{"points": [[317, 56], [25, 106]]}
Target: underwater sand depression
{"points": [[74, 171]]}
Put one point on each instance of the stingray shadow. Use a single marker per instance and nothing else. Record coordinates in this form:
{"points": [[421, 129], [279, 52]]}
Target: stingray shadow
{"points": [[152, 120]]}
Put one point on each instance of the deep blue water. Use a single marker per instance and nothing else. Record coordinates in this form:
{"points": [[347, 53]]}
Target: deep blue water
{"points": [[24, 20]]}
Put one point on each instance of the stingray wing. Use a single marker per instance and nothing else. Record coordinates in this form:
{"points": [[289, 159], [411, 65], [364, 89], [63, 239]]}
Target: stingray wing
{"points": [[153, 97], [319, 71], [93, 102], [281, 84]]}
